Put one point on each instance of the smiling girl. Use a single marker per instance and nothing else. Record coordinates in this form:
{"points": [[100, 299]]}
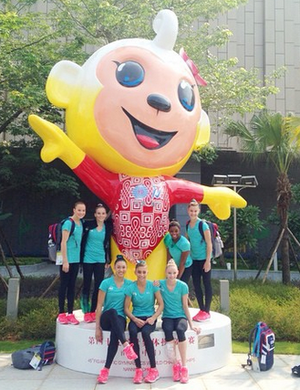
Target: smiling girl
{"points": [[95, 253], [110, 315], [142, 295], [176, 317], [178, 249]]}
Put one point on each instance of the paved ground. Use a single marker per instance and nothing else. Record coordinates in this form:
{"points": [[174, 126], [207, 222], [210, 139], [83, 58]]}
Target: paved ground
{"points": [[233, 376]]}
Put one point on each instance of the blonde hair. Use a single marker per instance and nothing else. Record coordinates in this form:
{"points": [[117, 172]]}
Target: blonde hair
{"points": [[192, 203], [171, 263]]}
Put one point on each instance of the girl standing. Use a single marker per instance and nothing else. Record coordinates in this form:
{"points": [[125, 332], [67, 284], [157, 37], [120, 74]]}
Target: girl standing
{"points": [[201, 253], [178, 248], [175, 317], [110, 315], [142, 294], [95, 251], [70, 250]]}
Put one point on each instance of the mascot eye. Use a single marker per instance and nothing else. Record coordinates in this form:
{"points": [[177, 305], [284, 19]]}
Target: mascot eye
{"points": [[130, 74], [186, 95]]}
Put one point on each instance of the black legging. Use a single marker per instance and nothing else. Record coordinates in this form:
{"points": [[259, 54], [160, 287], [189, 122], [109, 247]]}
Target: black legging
{"points": [[67, 287], [186, 274], [90, 269], [116, 325], [146, 330], [179, 325], [197, 274]]}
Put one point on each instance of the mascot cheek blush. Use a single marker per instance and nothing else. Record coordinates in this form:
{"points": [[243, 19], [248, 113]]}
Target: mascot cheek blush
{"points": [[133, 118]]}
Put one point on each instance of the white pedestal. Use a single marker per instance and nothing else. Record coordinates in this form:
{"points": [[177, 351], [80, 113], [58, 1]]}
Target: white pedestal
{"points": [[78, 350]]}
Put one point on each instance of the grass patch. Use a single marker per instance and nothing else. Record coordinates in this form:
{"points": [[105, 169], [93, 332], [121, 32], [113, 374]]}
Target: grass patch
{"points": [[24, 260], [281, 347], [11, 346]]}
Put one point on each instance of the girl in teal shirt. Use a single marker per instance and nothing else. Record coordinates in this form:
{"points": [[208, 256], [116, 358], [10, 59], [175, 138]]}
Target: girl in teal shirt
{"points": [[178, 249], [175, 317], [201, 253], [110, 315], [142, 294], [70, 250], [95, 254]]}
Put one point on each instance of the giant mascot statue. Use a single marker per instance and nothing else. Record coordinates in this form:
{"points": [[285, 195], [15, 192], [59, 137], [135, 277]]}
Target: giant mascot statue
{"points": [[133, 118]]}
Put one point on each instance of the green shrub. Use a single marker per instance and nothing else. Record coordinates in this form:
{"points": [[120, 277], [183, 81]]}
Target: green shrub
{"points": [[36, 319], [273, 303]]}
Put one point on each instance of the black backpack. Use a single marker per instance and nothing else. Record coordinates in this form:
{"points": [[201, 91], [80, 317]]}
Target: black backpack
{"points": [[44, 352], [261, 348], [55, 236]]}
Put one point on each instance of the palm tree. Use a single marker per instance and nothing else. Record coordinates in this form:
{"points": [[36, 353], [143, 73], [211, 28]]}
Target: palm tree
{"points": [[277, 137]]}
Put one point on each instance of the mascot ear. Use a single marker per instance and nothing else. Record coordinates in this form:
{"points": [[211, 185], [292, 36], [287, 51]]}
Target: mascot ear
{"points": [[61, 83], [204, 131]]}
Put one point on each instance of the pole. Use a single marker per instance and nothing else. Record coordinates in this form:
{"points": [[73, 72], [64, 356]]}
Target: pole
{"points": [[234, 245]]}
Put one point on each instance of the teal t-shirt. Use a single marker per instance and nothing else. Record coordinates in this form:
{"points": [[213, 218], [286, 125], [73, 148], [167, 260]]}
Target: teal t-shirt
{"points": [[94, 249], [74, 241], [176, 249], [142, 302], [173, 307], [114, 295], [198, 244]]}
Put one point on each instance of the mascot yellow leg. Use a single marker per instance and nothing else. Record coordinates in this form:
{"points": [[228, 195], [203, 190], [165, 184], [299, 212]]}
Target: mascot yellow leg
{"points": [[156, 262]]}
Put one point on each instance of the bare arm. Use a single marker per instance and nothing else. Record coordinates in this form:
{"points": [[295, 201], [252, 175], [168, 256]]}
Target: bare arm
{"points": [[207, 264], [181, 267], [63, 246], [168, 255], [140, 323], [188, 315], [100, 301], [159, 309]]}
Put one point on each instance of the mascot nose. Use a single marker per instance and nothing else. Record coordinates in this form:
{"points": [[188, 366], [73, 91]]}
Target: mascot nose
{"points": [[159, 102]]}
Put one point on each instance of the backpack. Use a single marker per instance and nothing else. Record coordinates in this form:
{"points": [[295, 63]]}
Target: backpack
{"points": [[261, 355], [34, 357], [55, 236], [216, 240]]}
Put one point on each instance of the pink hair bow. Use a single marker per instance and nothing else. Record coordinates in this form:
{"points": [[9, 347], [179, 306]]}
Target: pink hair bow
{"points": [[193, 68]]}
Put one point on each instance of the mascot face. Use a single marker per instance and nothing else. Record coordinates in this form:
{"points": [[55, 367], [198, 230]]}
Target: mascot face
{"points": [[148, 110], [134, 106]]}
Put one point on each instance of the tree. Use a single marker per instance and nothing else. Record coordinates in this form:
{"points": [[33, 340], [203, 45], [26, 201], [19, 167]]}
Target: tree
{"points": [[32, 42], [231, 89], [274, 136], [248, 222]]}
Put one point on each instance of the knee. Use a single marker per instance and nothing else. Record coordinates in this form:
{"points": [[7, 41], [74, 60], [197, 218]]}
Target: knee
{"points": [[133, 335], [146, 334], [181, 336]]}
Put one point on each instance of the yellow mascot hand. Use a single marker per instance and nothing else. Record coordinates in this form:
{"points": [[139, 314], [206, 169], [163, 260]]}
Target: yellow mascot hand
{"points": [[56, 143], [221, 199]]}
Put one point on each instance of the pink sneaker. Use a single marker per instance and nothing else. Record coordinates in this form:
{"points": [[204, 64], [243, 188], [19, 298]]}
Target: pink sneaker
{"points": [[72, 319], [93, 316], [204, 316], [103, 375], [152, 376], [201, 316], [184, 375], [62, 318], [138, 376], [176, 372], [196, 317], [88, 317], [129, 352]]}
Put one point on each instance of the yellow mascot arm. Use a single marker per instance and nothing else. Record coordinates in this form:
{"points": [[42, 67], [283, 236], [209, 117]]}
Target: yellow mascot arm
{"points": [[56, 143], [220, 199]]}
